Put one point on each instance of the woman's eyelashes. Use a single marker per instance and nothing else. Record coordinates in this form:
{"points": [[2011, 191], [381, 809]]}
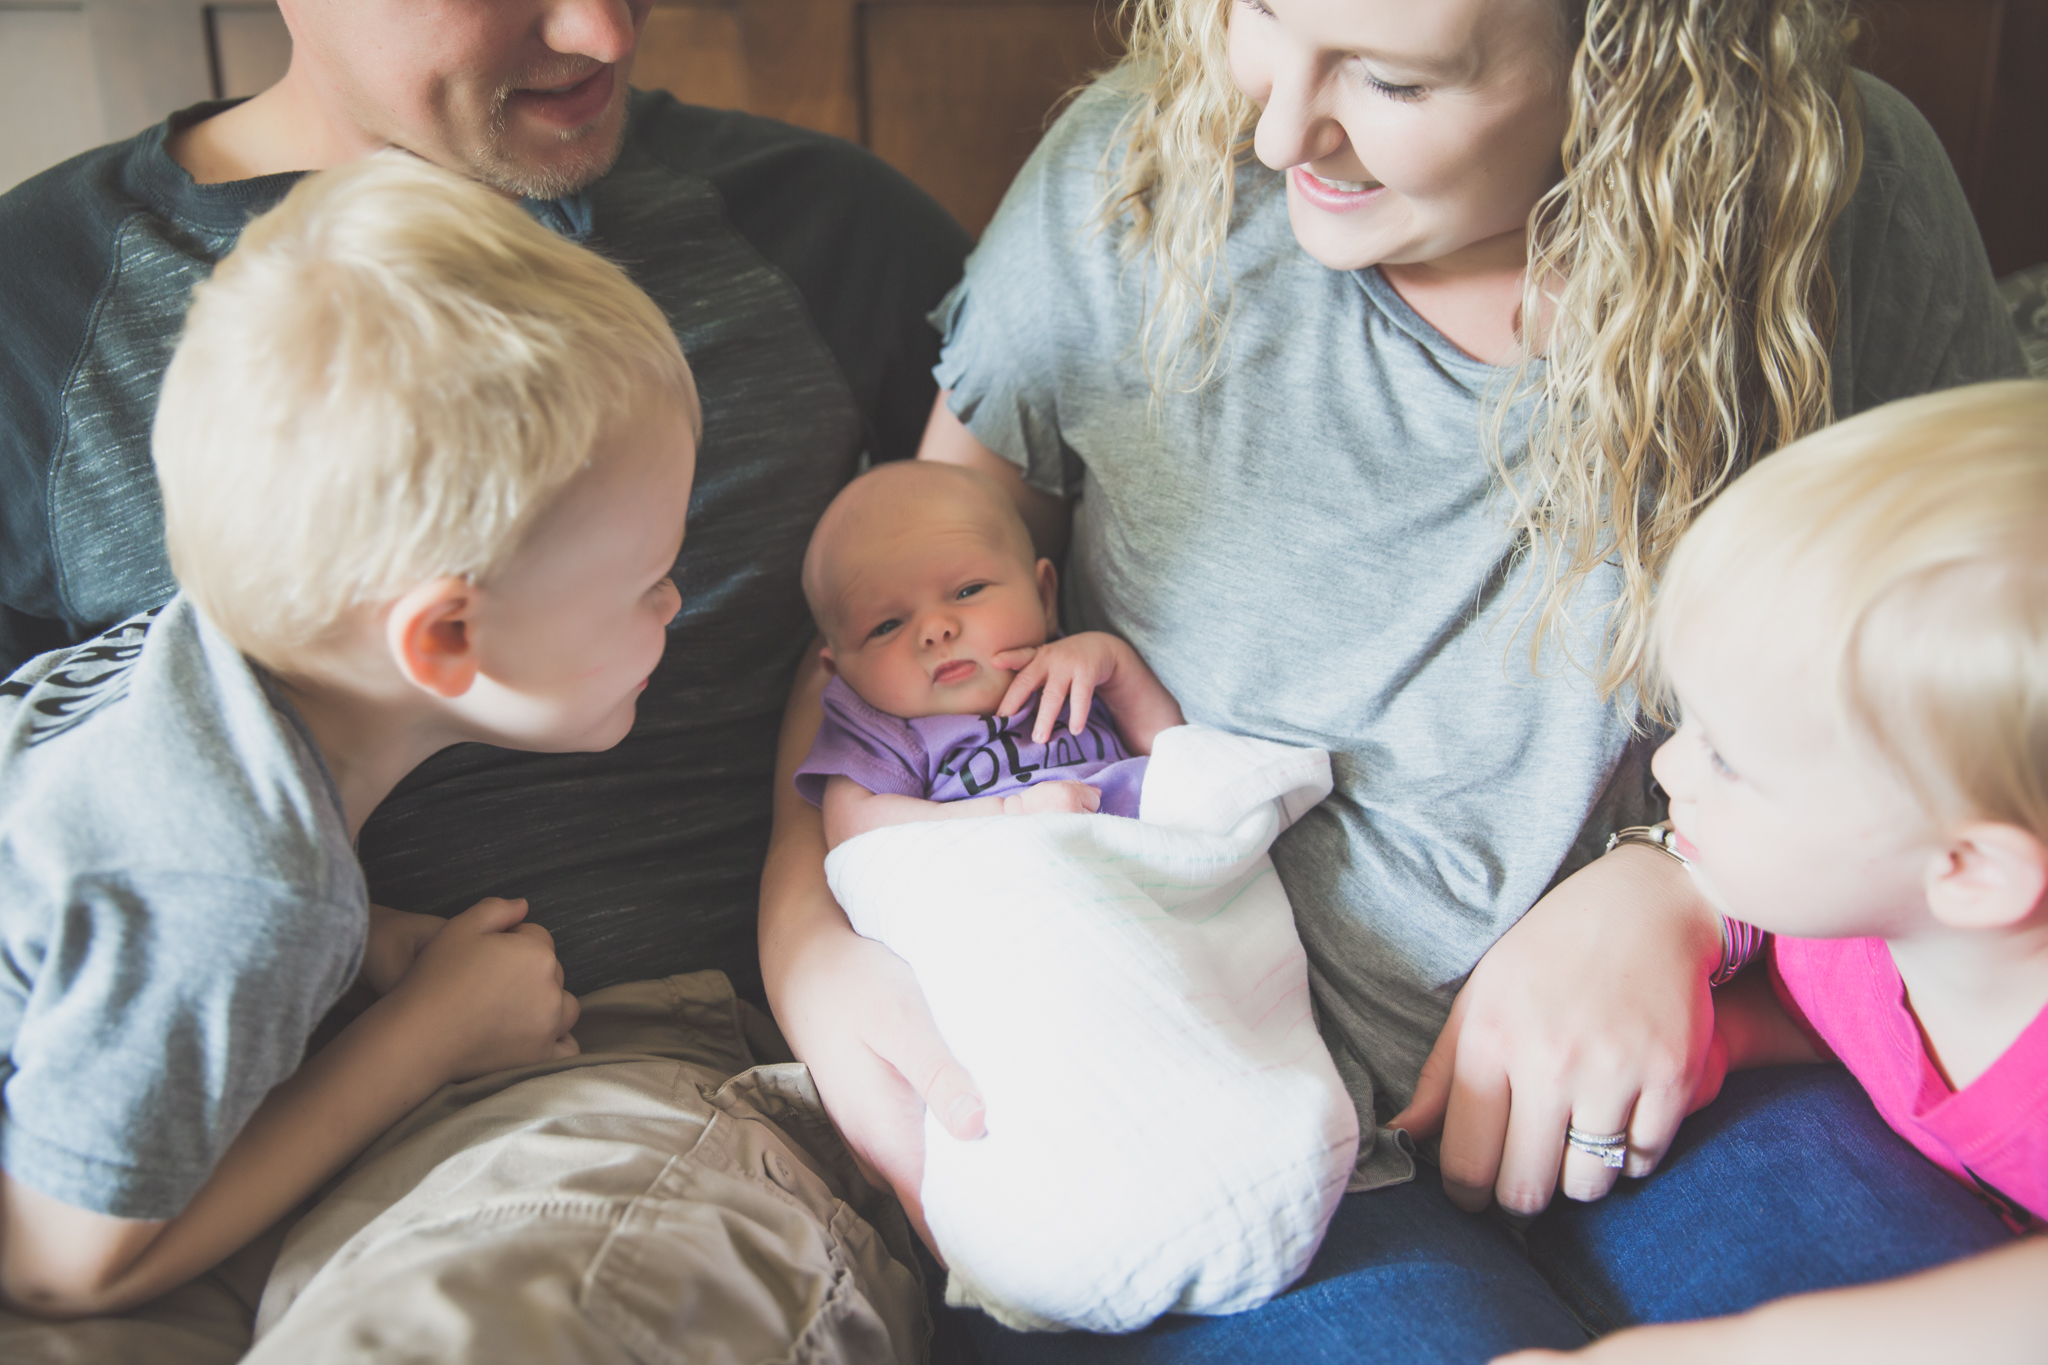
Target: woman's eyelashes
{"points": [[1406, 94]]}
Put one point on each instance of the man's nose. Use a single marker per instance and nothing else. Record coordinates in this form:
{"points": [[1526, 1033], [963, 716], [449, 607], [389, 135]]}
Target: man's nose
{"points": [[602, 29]]}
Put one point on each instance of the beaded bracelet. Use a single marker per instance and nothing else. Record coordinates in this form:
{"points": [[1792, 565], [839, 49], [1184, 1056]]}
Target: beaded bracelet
{"points": [[1740, 942]]}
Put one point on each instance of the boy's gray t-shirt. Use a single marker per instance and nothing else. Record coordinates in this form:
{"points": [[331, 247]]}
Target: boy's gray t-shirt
{"points": [[1311, 548], [179, 906]]}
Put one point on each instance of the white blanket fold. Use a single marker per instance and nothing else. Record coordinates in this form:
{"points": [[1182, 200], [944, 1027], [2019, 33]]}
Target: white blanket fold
{"points": [[1166, 1131]]}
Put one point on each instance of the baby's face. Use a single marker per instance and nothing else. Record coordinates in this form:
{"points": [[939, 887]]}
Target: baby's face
{"points": [[919, 611], [1791, 825]]}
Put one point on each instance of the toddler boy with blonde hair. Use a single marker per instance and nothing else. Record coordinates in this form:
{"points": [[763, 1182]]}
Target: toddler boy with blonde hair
{"points": [[425, 468]]}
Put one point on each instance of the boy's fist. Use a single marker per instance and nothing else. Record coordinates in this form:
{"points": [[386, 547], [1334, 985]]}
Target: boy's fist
{"points": [[488, 992]]}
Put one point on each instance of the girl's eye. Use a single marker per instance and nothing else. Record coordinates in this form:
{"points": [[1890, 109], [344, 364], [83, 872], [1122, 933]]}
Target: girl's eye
{"points": [[969, 591], [1257, 7], [1719, 764], [887, 627]]}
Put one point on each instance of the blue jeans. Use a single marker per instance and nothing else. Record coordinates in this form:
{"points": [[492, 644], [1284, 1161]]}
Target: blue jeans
{"points": [[1790, 1181]]}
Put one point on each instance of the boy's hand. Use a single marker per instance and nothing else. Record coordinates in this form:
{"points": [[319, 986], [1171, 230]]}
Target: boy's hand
{"points": [[396, 938], [1055, 798], [487, 992]]}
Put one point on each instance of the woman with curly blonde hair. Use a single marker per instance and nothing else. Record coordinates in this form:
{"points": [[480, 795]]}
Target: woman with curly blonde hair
{"points": [[1365, 359]]}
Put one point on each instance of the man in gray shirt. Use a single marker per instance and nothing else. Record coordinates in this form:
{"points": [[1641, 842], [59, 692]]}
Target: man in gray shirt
{"points": [[796, 270]]}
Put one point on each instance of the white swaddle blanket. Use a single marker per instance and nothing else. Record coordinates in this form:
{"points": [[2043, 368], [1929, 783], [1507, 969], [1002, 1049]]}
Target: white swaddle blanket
{"points": [[1166, 1131]]}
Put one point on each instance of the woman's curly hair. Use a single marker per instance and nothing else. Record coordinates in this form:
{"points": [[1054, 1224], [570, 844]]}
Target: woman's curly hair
{"points": [[1680, 265]]}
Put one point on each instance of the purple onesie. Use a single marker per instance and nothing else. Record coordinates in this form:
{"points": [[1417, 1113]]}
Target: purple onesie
{"points": [[950, 758]]}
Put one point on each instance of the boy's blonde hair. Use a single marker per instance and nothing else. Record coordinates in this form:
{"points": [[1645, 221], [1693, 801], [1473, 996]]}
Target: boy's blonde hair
{"points": [[384, 383], [1913, 541]]}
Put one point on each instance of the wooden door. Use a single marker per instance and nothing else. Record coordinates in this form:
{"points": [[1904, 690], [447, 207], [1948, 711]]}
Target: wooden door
{"points": [[954, 93]]}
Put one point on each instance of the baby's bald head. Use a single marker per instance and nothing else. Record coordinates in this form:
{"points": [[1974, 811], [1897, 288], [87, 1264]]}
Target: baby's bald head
{"points": [[907, 502]]}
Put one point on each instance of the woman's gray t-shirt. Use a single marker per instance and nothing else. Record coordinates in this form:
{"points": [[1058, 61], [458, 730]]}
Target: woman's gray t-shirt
{"points": [[1310, 549]]}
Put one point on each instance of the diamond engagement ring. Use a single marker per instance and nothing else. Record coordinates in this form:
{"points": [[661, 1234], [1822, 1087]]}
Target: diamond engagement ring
{"points": [[1611, 1148]]}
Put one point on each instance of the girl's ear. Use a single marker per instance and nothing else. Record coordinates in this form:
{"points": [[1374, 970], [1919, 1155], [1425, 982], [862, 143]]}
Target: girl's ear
{"points": [[825, 658], [1049, 595], [1991, 876], [431, 632]]}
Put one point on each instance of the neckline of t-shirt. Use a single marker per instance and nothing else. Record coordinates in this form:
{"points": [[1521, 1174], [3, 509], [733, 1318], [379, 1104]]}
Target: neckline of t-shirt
{"points": [[1389, 301], [227, 206]]}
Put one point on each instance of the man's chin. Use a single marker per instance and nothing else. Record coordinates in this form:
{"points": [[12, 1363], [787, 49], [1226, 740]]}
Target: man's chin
{"points": [[558, 164]]}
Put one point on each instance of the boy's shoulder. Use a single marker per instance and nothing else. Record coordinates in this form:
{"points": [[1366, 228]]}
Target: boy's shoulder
{"points": [[179, 905], [156, 749]]}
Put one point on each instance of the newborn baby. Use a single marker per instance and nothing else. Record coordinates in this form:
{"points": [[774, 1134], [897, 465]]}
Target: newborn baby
{"points": [[936, 617], [1166, 1131]]}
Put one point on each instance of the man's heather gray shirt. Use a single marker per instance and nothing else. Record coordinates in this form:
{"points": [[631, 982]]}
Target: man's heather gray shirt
{"points": [[1312, 549]]}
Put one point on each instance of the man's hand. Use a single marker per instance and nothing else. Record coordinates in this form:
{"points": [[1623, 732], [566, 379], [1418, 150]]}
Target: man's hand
{"points": [[486, 992], [1072, 670], [1593, 1010], [396, 938]]}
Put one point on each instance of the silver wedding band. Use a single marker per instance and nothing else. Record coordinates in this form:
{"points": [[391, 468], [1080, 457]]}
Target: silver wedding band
{"points": [[1611, 1148]]}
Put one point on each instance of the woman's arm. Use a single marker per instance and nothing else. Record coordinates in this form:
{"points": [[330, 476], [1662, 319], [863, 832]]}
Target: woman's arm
{"points": [[1592, 1010], [849, 1007], [1987, 1309], [1045, 515]]}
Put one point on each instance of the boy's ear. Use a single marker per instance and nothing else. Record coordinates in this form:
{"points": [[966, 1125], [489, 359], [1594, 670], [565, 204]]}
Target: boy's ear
{"points": [[432, 636], [825, 658], [1049, 594], [1991, 876]]}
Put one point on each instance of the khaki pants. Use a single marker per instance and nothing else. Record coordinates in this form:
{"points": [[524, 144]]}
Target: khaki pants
{"points": [[669, 1195]]}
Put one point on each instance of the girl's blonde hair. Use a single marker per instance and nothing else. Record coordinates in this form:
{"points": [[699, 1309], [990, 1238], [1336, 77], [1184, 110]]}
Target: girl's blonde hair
{"points": [[1680, 265], [1905, 548], [385, 383]]}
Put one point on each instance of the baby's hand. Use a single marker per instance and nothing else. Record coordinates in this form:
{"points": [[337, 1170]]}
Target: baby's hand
{"points": [[1076, 665], [487, 992], [1055, 798]]}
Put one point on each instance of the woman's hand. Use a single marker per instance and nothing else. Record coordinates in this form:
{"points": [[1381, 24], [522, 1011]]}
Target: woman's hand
{"points": [[849, 1007], [1592, 1011]]}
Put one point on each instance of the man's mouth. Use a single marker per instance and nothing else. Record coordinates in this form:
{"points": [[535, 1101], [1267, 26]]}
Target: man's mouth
{"points": [[953, 671], [571, 105]]}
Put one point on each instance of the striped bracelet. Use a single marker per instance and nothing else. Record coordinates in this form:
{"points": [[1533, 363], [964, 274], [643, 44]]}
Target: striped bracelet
{"points": [[1740, 942]]}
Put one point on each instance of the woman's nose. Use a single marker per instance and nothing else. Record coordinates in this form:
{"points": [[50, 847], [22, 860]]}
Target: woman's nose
{"points": [[1295, 127]]}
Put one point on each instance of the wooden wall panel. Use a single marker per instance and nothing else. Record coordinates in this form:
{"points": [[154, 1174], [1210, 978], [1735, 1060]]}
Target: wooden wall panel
{"points": [[1978, 70], [696, 54], [958, 95]]}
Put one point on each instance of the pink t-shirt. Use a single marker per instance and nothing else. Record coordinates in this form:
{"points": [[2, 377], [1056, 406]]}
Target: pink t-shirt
{"points": [[1992, 1134]]}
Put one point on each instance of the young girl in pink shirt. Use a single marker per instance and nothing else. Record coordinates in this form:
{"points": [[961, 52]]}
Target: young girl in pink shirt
{"points": [[1856, 635]]}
